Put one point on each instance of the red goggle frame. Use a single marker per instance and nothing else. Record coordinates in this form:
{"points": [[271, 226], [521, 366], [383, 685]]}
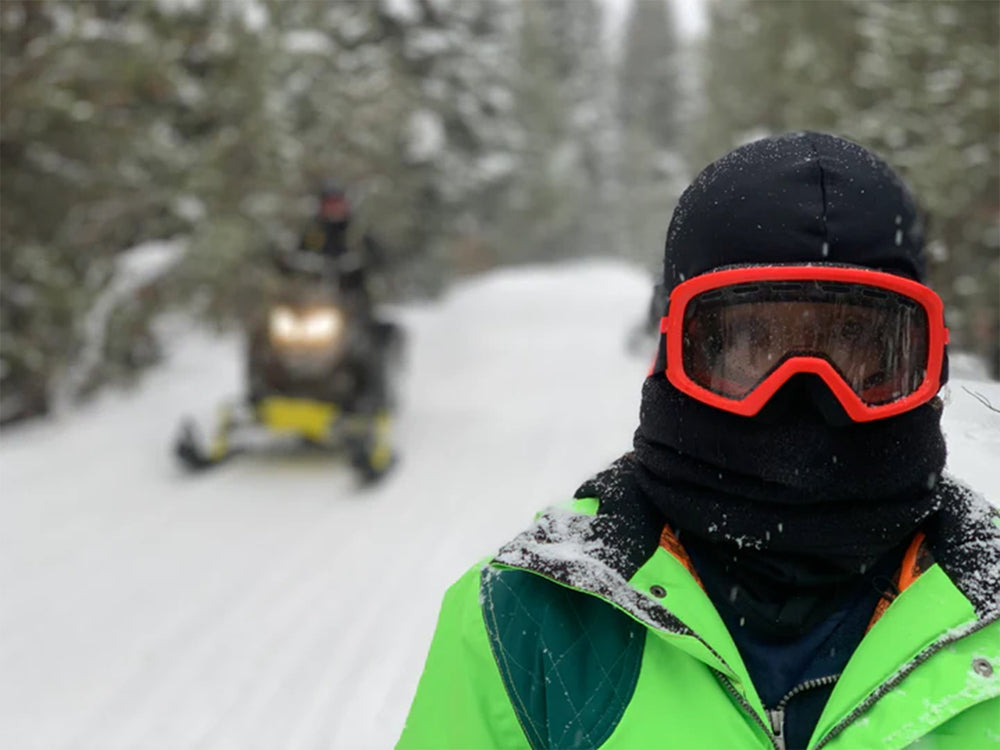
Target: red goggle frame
{"points": [[749, 397]]}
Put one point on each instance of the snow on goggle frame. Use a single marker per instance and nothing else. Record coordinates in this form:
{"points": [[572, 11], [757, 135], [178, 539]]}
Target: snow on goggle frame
{"points": [[735, 336]]}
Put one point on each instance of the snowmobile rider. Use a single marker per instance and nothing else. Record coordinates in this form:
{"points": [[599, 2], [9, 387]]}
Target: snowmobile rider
{"points": [[336, 252], [781, 561], [334, 236]]}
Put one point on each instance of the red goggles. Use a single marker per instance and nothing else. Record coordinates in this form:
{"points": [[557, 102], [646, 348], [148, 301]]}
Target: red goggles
{"points": [[735, 336]]}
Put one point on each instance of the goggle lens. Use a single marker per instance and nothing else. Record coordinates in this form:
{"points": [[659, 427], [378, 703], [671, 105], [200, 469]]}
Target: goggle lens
{"points": [[876, 339]]}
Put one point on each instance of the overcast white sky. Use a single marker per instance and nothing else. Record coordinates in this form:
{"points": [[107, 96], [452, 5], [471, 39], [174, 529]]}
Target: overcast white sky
{"points": [[690, 14]]}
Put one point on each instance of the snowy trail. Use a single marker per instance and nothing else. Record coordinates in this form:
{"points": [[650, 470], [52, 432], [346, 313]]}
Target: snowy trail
{"points": [[272, 605]]}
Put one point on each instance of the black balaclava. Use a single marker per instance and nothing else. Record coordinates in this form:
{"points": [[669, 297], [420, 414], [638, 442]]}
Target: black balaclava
{"points": [[793, 504]]}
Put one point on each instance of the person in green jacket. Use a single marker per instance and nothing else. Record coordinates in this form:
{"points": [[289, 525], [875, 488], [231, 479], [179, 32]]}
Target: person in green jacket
{"points": [[781, 561]]}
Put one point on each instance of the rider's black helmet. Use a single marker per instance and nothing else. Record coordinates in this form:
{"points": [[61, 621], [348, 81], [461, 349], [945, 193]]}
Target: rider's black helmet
{"points": [[334, 204], [332, 189]]}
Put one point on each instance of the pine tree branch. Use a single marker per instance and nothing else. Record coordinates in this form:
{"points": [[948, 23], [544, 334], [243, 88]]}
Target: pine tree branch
{"points": [[981, 399]]}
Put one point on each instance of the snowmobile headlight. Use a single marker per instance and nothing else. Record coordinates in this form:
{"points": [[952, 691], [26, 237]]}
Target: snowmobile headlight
{"points": [[322, 326], [283, 324]]}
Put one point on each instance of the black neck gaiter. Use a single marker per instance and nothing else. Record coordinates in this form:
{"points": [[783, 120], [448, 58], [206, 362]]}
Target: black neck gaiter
{"points": [[796, 511]]}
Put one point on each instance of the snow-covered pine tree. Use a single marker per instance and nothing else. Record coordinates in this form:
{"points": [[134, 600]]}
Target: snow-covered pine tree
{"points": [[931, 75], [652, 169], [772, 66], [917, 82], [556, 205], [87, 165], [456, 58]]}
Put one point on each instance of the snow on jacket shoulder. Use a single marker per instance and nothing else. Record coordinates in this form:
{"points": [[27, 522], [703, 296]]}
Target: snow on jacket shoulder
{"points": [[549, 645]]}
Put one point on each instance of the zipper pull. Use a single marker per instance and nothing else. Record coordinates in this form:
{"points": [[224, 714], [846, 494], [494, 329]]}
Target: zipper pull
{"points": [[777, 718]]}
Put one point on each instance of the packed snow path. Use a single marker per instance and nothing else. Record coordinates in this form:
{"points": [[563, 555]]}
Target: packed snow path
{"points": [[271, 604]]}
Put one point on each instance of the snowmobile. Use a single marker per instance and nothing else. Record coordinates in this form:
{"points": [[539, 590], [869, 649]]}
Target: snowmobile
{"points": [[320, 373]]}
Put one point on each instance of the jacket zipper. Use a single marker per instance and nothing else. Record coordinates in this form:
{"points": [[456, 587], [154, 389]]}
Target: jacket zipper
{"points": [[776, 715], [897, 678], [776, 741]]}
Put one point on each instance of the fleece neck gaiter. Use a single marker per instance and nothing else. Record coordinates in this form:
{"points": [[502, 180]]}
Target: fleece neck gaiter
{"points": [[793, 511]]}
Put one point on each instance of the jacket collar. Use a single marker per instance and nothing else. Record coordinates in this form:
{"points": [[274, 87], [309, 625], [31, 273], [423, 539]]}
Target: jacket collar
{"points": [[597, 548]]}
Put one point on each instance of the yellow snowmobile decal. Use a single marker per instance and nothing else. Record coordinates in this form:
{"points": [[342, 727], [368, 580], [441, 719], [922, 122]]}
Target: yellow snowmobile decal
{"points": [[311, 419], [365, 439], [219, 447], [381, 454]]}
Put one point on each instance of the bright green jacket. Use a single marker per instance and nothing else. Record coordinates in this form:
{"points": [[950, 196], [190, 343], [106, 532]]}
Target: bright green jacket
{"points": [[548, 646]]}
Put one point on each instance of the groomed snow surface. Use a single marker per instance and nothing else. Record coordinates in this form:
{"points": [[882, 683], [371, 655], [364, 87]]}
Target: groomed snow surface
{"points": [[273, 604]]}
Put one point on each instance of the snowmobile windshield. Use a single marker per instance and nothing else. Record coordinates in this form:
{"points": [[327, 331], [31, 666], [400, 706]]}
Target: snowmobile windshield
{"points": [[735, 336]]}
